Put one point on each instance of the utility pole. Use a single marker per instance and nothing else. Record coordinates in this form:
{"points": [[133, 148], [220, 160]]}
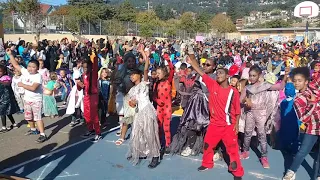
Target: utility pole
{"points": [[148, 5]]}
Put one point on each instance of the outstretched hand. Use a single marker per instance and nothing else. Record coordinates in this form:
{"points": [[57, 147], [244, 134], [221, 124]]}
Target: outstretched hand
{"points": [[9, 51]]}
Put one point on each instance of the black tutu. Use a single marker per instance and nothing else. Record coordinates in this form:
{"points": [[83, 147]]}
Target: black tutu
{"points": [[194, 118], [8, 103]]}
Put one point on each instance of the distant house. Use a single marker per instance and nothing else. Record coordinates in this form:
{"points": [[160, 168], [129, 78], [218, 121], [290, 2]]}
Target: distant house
{"points": [[46, 10]]}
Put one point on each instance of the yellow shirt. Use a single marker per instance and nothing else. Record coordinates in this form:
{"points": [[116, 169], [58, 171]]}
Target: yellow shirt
{"points": [[59, 64]]}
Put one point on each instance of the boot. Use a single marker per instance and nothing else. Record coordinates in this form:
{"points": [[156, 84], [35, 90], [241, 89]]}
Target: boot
{"points": [[154, 163]]}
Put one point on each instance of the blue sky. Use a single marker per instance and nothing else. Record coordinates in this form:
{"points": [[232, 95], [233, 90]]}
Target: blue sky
{"points": [[52, 2]]}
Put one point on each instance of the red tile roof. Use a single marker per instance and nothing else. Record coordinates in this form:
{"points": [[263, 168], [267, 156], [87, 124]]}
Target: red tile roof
{"points": [[45, 8]]}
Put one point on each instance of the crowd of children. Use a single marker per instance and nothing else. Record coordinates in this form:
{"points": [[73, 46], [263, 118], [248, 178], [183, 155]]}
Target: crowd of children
{"points": [[228, 91]]}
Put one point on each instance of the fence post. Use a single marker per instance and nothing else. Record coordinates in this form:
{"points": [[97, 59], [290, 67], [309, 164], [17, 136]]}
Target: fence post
{"points": [[62, 22], [14, 29], [136, 29], [89, 27], [100, 27]]}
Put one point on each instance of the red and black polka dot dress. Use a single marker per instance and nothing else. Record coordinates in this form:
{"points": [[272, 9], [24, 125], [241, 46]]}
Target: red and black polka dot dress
{"points": [[164, 104]]}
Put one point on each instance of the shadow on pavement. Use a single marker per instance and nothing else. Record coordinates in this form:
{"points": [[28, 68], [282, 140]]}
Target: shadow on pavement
{"points": [[67, 157]]}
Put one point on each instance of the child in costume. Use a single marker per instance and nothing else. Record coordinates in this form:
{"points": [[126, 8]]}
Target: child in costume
{"points": [[91, 97], [8, 104], [289, 129], [18, 91], [75, 101], [104, 89], [49, 102], [195, 118], [259, 105], [163, 98], [144, 140]]}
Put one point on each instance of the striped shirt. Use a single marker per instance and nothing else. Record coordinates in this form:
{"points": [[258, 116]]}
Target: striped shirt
{"points": [[224, 103]]}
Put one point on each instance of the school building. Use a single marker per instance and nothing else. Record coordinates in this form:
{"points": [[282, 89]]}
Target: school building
{"points": [[280, 34]]}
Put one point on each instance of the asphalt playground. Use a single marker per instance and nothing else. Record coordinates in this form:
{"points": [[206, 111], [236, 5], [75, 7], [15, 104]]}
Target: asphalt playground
{"points": [[83, 160]]}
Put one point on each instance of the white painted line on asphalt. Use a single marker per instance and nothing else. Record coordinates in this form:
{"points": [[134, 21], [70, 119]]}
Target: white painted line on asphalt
{"points": [[63, 132], [44, 169], [53, 152], [62, 176], [256, 175], [263, 176]]}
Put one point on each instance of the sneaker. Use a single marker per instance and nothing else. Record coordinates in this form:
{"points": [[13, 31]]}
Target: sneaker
{"points": [[96, 138], [265, 163], [244, 155], [216, 157], [74, 123], [30, 132], [290, 175], [202, 168], [3, 130], [186, 152], [41, 139], [15, 126], [88, 134]]}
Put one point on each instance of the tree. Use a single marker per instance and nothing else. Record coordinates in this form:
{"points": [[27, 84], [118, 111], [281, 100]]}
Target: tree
{"points": [[171, 27], [27, 10], [160, 12], [202, 22], [126, 12], [187, 22], [223, 24], [80, 13], [114, 27], [163, 13], [278, 23], [148, 21], [233, 9]]}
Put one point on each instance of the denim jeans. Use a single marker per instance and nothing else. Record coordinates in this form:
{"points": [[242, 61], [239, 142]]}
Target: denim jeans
{"points": [[307, 144]]}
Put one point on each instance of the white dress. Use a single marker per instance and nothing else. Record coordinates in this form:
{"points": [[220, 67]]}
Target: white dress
{"points": [[144, 140]]}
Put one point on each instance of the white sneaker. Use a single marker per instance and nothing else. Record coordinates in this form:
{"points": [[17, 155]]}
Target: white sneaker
{"points": [[290, 175], [216, 157], [186, 152]]}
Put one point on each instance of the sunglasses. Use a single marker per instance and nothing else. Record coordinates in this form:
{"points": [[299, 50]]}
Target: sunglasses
{"points": [[206, 64]]}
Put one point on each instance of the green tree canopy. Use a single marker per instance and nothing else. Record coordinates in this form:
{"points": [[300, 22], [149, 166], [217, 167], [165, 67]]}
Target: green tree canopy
{"points": [[125, 12], [223, 24], [187, 22]]}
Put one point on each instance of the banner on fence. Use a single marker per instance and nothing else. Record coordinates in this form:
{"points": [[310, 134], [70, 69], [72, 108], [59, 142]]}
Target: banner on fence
{"points": [[199, 38]]}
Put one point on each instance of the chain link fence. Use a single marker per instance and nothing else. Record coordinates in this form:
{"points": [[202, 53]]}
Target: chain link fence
{"points": [[13, 24]]}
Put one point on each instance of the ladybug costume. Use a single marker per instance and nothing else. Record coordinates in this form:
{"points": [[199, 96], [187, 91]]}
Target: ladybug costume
{"points": [[163, 99]]}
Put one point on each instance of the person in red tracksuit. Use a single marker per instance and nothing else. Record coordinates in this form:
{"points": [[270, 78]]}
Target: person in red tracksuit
{"points": [[224, 107], [89, 85]]}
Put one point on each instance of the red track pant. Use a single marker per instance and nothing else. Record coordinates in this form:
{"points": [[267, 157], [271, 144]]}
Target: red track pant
{"points": [[230, 139], [91, 115]]}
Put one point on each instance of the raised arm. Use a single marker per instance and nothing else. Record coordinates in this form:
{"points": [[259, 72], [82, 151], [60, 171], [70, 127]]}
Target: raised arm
{"points": [[146, 69], [171, 73], [13, 61], [278, 87], [191, 59]]}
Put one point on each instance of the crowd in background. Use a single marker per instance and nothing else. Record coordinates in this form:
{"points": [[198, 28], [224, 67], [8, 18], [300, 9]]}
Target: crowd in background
{"points": [[226, 90]]}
